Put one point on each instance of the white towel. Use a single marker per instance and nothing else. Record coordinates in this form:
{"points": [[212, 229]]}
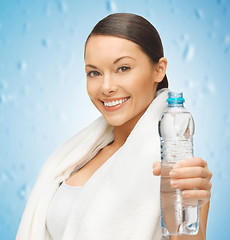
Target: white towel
{"points": [[119, 203]]}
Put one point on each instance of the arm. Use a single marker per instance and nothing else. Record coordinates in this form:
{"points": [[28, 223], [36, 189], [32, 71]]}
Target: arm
{"points": [[188, 174]]}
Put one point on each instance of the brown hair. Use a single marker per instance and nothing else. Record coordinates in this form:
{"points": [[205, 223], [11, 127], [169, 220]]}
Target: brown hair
{"points": [[136, 29]]}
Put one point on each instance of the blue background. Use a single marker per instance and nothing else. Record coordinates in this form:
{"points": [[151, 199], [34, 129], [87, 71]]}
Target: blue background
{"points": [[43, 98]]}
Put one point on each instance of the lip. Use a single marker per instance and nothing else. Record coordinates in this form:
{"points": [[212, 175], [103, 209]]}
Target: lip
{"points": [[114, 108], [113, 99]]}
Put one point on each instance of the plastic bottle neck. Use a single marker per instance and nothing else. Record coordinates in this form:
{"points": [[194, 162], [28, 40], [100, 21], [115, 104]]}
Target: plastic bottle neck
{"points": [[175, 99], [175, 104]]}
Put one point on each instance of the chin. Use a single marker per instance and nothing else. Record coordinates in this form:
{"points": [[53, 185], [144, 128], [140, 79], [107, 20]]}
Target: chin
{"points": [[115, 122]]}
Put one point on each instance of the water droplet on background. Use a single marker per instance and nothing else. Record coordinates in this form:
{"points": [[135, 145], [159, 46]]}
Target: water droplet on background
{"points": [[26, 90], [199, 13], [3, 99], [3, 85], [212, 35], [212, 154], [22, 167], [173, 10], [44, 137], [215, 23], [208, 86], [46, 42], [185, 37], [228, 118], [227, 134], [6, 98], [21, 145], [72, 30], [227, 39], [33, 128], [26, 11], [190, 83], [111, 6], [62, 6], [22, 66], [189, 52], [7, 176], [47, 10], [2, 66], [177, 44], [38, 106], [227, 50], [4, 177], [62, 117], [26, 27], [23, 192], [219, 175]]}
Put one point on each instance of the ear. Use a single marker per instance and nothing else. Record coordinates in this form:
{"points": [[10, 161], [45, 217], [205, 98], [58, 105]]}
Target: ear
{"points": [[160, 70]]}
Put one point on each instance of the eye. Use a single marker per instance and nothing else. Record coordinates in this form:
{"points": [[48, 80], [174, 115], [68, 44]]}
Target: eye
{"points": [[93, 74], [123, 69]]}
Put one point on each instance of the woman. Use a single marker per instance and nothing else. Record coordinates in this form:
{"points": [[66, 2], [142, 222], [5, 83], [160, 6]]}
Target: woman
{"points": [[99, 185]]}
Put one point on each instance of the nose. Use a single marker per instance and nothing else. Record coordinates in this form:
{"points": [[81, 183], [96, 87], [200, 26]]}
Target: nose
{"points": [[108, 86]]}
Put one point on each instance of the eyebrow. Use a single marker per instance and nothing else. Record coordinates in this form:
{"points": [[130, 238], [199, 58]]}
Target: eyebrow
{"points": [[117, 60]]}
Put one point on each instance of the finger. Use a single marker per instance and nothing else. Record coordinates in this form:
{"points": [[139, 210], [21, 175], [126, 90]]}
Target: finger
{"points": [[201, 195], [157, 168], [157, 171], [191, 162], [191, 183], [190, 172], [157, 164]]}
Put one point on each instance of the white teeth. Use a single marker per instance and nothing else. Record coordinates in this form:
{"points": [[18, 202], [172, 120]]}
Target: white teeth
{"points": [[114, 103]]}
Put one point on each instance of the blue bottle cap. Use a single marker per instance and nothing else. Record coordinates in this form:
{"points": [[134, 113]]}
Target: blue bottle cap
{"points": [[175, 97]]}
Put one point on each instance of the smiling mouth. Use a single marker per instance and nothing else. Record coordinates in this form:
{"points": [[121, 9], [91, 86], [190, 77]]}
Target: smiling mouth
{"points": [[115, 102]]}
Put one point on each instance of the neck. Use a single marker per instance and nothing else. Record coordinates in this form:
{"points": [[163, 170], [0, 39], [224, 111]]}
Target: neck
{"points": [[123, 131]]}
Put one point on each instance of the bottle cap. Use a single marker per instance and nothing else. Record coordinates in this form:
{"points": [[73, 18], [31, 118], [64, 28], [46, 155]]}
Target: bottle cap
{"points": [[175, 97]]}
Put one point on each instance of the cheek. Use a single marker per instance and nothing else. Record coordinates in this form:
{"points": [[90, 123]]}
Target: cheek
{"points": [[91, 88], [143, 87]]}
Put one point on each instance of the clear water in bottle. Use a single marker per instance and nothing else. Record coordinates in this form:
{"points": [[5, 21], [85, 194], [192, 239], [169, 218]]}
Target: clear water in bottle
{"points": [[176, 129]]}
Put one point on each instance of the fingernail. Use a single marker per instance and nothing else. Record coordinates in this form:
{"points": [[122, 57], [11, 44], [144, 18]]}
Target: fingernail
{"points": [[173, 182], [172, 174], [177, 165], [185, 193]]}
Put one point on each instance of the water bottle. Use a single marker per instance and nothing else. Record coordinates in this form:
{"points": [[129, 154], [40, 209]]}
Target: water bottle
{"points": [[176, 129]]}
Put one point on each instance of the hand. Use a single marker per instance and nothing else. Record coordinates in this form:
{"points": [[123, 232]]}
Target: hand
{"points": [[189, 174]]}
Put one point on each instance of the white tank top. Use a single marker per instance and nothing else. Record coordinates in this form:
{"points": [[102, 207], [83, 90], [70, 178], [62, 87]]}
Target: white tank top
{"points": [[60, 208]]}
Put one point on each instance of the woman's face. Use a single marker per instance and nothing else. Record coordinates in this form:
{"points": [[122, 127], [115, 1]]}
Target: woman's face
{"points": [[121, 79]]}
